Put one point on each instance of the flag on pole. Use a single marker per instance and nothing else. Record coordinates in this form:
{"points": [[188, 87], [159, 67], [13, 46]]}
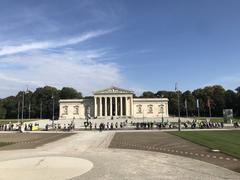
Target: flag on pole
{"points": [[185, 103], [176, 87], [209, 103], [198, 103], [209, 107]]}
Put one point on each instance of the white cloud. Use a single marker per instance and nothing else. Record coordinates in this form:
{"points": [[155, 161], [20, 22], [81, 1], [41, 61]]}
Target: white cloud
{"points": [[82, 70], [10, 49]]}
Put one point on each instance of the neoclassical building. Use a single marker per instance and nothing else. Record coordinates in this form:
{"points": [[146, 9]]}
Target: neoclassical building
{"points": [[111, 103]]}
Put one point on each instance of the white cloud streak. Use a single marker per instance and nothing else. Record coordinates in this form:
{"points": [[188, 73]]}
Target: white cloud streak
{"points": [[9, 49]]}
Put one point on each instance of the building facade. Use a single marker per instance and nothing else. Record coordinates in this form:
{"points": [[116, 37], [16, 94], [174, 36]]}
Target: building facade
{"points": [[111, 103]]}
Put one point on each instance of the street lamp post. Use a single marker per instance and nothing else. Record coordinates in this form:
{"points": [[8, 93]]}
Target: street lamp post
{"points": [[179, 120], [29, 110], [41, 109], [179, 114], [22, 105], [52, 110], [18, 111]]}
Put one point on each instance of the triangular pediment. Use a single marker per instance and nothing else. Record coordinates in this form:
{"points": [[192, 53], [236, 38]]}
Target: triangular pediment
{"points": [[113, 90]]}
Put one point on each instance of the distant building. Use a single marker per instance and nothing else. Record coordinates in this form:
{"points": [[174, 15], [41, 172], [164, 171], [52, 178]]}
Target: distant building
{"points": [[113, 102]]}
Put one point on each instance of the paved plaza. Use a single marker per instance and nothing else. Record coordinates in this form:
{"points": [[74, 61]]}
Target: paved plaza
{"points": [[167, 143], [88, 152]]}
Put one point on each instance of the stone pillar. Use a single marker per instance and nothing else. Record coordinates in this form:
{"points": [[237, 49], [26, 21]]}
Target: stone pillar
{"points": [[116, 110], [105, 106], [132, 109], [95, 107], [110, 106], [121, 106], [126, 100], [125, 106], [100, 105]]}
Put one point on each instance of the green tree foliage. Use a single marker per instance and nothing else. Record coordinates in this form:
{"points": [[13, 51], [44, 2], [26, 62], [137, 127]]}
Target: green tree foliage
{"points": [[148, 94], [69, 93], [3, 111], [45, 95], [214, 97]]}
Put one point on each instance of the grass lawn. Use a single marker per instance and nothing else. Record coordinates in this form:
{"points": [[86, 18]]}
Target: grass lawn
{"points": [[226, 141], [212, 119], [4, 144], [217, 119]]}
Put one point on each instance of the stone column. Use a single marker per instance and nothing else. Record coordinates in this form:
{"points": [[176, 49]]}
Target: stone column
{"points": [[110, 106], [121, 106], [132, 109], [100, 105], [105, 106], [116, 114], [95, 107], [125, 106]]}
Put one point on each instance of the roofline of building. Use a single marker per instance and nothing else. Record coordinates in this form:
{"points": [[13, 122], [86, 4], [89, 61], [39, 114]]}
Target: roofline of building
{"points": [[150, 99], [112, 87], [70, 100]]}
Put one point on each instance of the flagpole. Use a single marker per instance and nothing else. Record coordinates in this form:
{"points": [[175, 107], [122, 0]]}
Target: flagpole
{"points": [[52, 110], [209, 108], [198, 107], [41, 109], [179, 120], [186, 107], [18, 111], [22, 105]]}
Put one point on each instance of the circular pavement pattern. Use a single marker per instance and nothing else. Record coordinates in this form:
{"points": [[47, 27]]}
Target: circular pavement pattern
{"points": [[49, 167]]}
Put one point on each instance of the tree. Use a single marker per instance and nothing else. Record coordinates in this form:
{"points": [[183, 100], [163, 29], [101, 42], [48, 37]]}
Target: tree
{"points": [[148, 94], [3, 111], [10, 105], [46, 95], [218, 99], [231, 100], [70, 93], [238, 89]]}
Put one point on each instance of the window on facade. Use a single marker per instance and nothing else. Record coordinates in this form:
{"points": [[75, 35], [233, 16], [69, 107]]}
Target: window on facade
{"points": [[139, 109], [161, 109], [65, 110], [150, 109], [76, 110]]}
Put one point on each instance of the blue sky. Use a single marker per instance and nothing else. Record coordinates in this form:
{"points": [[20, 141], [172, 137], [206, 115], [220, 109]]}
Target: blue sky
{"points": [[138, 44]]}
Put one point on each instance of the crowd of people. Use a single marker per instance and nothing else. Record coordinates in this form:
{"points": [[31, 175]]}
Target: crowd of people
{"points": [[113, 125], [17, 126], [105, 126], [203, 124], [59, 127], [8, 127], [173, 125]]}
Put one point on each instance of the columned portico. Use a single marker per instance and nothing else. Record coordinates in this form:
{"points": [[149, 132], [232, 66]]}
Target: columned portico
{"points": [[113, 102], [111, 106]]}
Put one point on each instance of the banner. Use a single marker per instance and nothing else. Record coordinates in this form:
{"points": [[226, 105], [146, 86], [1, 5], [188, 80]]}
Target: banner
{"points": [[185, 104], [198, 103]]}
